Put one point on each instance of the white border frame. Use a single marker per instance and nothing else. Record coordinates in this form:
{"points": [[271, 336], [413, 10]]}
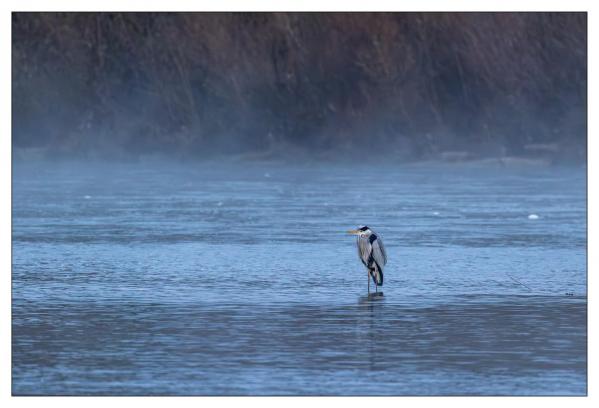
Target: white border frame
{"points": [[284, 5]]}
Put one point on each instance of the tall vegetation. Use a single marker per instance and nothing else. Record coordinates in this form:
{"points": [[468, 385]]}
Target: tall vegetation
{"points": [[417, 84]]}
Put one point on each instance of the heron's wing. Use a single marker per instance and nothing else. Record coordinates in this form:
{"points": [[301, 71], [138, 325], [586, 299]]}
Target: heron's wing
{"points": [[378, 252], [364, 249]]}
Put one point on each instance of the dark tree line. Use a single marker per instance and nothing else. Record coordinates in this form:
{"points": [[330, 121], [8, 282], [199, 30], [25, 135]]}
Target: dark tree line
{"points": [[198, 83]]}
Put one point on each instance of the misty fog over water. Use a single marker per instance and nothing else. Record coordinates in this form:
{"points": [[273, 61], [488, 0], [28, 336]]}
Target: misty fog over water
{"points": [[182, 184]]}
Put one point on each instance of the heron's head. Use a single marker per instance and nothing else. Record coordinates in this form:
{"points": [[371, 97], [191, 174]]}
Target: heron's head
{"points": [[362, 231]]}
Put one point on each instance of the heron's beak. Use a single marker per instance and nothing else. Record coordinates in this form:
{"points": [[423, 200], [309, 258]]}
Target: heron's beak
{"points": [[353, 232]]}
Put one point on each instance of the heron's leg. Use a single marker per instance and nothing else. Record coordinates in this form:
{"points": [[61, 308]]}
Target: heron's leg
{"points": [[368, 276]]}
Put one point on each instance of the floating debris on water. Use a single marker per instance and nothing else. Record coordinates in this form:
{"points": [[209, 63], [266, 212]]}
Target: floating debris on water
{"points": [[518, 282], [533, 217]]}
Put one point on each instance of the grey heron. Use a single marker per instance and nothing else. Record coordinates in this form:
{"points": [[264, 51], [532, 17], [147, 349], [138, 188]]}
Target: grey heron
{"points": [[372, 254]]}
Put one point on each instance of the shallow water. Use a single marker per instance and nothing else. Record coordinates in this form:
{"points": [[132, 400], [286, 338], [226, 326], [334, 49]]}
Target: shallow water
{"points": [[238, 279]]}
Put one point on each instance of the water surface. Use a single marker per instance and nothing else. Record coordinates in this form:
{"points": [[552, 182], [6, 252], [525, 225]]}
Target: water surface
{"points": [[213, 279]]}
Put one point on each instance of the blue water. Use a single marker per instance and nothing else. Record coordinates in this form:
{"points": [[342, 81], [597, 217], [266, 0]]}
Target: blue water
{"points": [[238, 279]]}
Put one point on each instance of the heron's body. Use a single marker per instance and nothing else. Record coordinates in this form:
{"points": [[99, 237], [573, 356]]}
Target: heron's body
{"points": [[372, 254]]}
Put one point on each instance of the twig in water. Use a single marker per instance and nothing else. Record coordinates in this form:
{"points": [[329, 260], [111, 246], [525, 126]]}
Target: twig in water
{"points": [[518, 282]]}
